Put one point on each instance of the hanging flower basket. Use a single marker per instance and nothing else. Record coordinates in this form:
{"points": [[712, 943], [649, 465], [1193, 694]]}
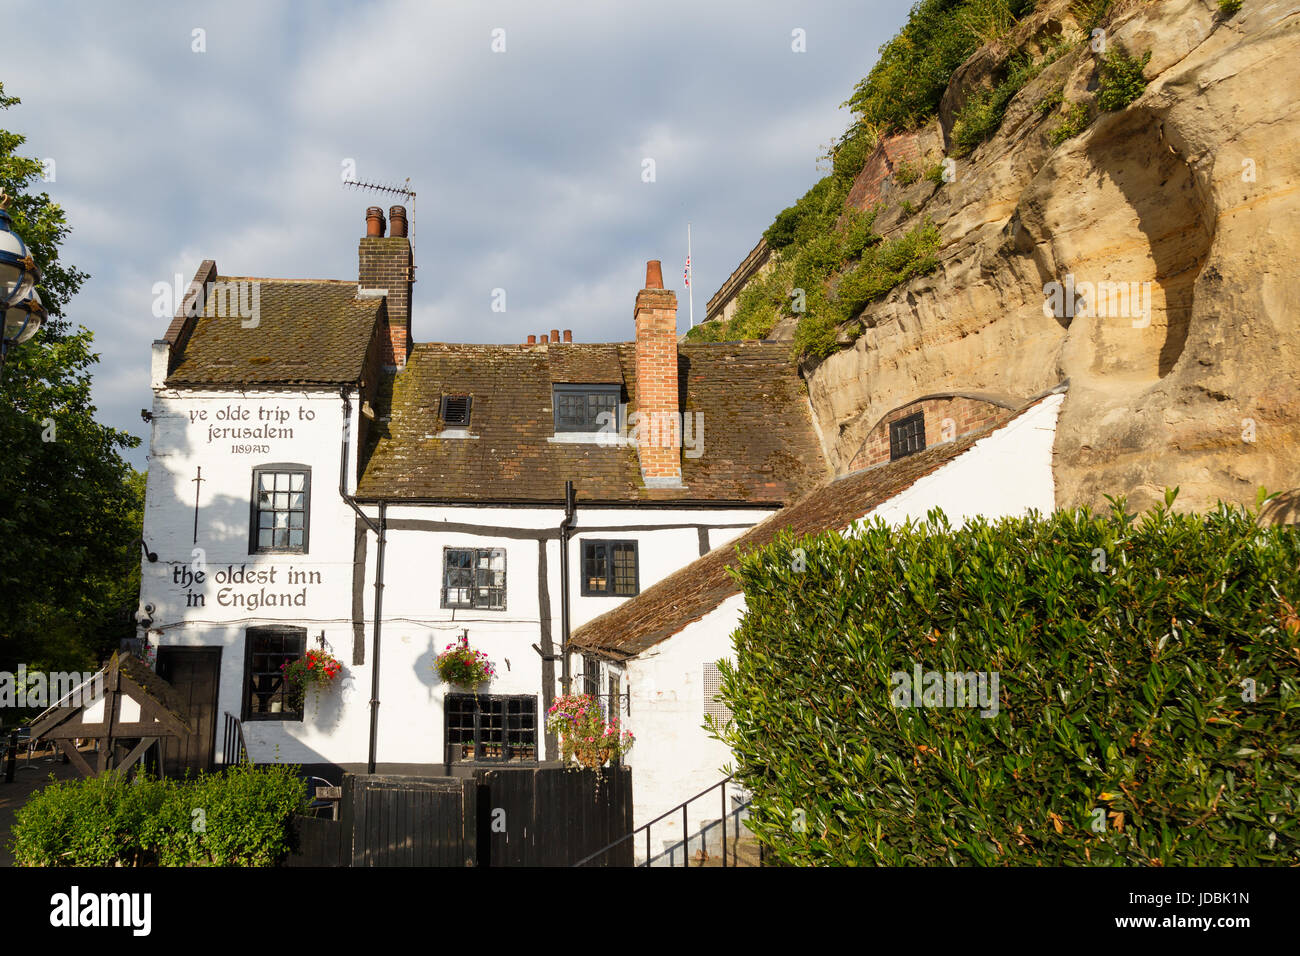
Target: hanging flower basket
{"points": [[463, 666], [585, 736], [316, 669]]}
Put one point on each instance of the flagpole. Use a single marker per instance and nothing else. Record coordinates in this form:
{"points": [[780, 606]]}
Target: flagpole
{"points": [[690, 270]]}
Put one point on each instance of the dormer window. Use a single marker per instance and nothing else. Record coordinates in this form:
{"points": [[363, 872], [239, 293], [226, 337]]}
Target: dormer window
{"points": [[579, 408], [455, 410]]}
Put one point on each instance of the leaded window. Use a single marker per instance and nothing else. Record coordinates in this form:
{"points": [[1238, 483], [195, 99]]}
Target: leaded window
{"points": [[579, 408], [474, 577], [281, 508], [486, 728], [267, 696], [907, 436], [609, 568]]}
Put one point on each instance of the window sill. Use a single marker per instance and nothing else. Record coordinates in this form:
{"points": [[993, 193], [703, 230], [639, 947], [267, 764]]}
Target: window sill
{"points": [[453, 433], [610, 439]]}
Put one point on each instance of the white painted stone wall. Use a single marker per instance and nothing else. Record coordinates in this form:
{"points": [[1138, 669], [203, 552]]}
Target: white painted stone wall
{"points": [[1005, 474], [199, 589]]}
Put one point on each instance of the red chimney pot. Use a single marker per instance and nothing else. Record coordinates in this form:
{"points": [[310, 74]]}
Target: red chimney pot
{"points": [[397, 222], [568, 335], [545, 340], [654, 275], [532, 340], [374, 221]]}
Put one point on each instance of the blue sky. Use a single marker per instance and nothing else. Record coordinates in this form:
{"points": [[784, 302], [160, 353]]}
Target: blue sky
{"points": [[527, 163]]}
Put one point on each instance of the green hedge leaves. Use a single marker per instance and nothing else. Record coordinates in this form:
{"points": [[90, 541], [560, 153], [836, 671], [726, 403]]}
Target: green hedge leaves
{"points": [[1126, 653], [237, 818]]}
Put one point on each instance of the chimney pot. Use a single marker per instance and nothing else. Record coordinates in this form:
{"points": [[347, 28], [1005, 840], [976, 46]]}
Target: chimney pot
{"points": [[555, 335], [397, 221], [545, 340], [654, 275], [532, 340], [568, 335], [374, 221]]}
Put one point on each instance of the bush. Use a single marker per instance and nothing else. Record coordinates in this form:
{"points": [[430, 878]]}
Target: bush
{"points": [[1075, 122], [1229, 8], [905, 173], [109, 820], [1121, 79], [935, 174], [906, 84], [1124, 649], [1051, 101]]}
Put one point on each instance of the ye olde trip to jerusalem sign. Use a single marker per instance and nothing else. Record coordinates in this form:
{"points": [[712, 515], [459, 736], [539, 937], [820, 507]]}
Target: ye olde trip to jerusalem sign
{"points": [[246, 588], [256, 423]]}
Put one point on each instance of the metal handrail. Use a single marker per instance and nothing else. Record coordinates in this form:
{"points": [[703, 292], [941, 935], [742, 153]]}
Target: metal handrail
{"points": [[234, 748], [685, 826]]}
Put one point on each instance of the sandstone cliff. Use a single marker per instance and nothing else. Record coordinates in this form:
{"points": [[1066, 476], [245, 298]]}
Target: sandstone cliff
{"points": [[1192, 189]]}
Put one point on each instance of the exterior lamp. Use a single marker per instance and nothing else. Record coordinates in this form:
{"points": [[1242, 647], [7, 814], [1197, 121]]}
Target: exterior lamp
{"points": [[23, 312]]}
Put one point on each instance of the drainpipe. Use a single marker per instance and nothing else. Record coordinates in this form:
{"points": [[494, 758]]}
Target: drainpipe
{"points": [[379, 528], [570, 509], [379, 620]]}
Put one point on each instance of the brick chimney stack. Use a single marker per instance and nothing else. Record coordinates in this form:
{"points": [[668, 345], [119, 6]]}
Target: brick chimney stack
{"points": [[658, 432], [386, 266]]}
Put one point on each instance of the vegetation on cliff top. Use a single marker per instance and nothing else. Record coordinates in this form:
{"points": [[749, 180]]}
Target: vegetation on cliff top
{"points": [[827, 263]]}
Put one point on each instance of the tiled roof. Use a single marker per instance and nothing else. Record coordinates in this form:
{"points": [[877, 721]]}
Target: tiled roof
{"points": [[759, 446], [688, 594], [307, 332]]}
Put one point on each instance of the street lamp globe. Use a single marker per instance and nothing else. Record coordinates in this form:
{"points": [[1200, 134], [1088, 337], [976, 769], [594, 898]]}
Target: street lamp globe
{"points": [[24, 320], [18, 271]]}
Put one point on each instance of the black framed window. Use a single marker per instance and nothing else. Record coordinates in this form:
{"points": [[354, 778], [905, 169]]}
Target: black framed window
{"points": [[474, 577], [266, 651], [487, 728], [455, 410], [907, 436], [281, 509], [578, 407], [591, 676], [609, 568]]}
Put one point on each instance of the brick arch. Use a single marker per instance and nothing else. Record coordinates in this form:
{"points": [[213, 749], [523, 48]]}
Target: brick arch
{"points": [[947, 416]]}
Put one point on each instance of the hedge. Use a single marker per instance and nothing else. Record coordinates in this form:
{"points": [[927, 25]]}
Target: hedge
{"points": [[1124, 733], [244, 820]]}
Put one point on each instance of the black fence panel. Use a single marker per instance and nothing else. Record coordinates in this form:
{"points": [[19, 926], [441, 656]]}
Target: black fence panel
{"points": [[319, 842], [553, 816], [409, 821]]}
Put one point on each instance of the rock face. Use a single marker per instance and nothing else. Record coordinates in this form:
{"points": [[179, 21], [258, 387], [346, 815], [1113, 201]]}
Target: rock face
{"points": [[1176, 223]]}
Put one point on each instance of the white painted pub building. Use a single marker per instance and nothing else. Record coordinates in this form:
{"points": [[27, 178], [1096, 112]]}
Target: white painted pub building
{"points": [[318, 480]]}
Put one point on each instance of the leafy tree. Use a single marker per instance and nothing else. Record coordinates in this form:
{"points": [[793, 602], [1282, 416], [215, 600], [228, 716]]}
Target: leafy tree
{"points": [[70, 505]]}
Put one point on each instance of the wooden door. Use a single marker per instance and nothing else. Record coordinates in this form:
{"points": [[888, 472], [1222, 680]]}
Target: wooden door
{"points": [[195, 673]]}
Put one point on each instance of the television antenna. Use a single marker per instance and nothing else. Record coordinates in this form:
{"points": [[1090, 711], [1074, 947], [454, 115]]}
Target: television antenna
{"points": [[404, 190]]}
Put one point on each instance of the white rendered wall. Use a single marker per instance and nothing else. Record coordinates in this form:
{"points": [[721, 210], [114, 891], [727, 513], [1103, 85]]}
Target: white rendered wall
{"points": [[195, 602]]}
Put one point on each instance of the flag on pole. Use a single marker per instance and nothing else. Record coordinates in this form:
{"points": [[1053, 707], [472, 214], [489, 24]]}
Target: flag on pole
{"points": [[686, 273]]}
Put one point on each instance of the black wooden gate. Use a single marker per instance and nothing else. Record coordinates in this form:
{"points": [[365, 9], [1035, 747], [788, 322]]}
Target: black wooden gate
{"points": [[552, 816], [409, 821]]}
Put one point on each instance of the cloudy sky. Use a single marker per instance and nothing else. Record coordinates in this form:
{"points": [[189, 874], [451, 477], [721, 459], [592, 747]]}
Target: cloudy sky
{"points": [[528, 163]]}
